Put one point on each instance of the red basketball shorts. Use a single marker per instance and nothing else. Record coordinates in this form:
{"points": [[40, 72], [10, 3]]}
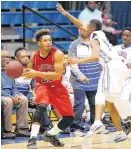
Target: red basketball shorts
{"points": [[57, 96]]}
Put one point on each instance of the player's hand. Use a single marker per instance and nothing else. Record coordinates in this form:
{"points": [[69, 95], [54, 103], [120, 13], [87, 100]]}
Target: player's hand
{"points": [[73, 60], [29, 73], [61, 9], [26, 70], [84, 79]]}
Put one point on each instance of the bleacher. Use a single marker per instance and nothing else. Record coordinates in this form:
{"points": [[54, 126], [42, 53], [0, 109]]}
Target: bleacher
{"points": [[14, 20], [121, 13], [34, 4], [12, 17]]}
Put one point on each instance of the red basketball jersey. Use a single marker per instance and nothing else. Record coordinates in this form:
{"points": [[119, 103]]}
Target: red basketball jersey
{"points": [[45, 65]]}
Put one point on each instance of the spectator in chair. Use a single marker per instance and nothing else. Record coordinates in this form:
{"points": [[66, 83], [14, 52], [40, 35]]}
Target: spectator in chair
{"points": [[103, 6], [4, 136], [12, 98], [107, 24], [109, 31], [90, 12], [26, 87]]}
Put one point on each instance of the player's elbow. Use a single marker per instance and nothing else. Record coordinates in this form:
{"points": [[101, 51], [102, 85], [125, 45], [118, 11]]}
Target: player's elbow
{"points": [[96, 58]]}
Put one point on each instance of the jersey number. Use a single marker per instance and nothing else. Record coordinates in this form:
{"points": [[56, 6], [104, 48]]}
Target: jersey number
{"points": [[45, 81]]}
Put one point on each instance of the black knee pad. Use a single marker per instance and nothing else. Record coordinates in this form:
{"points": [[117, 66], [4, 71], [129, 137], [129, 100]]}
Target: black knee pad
{"points": [[40, 109], [65, 122]]}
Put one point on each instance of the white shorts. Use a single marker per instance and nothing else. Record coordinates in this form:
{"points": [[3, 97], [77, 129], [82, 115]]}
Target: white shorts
{"points": [[126, 91], [123, 105], [113, 77], [111, 81]]}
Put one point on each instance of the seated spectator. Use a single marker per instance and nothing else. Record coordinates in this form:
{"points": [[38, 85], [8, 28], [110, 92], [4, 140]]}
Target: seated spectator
{"points": [[89, 13], [26, 87], [2, 118], [103, 6], [108, 30], [12, 98], [4, 135], [107, 24]]}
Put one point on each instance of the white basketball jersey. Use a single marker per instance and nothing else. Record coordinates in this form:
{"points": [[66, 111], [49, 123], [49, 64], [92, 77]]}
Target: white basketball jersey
{"points": [[126, 52], [114, 70], [105, 46], [106, 49]]}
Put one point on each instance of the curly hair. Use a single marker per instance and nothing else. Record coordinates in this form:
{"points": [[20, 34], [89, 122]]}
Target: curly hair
{"points": [[41, 33]]}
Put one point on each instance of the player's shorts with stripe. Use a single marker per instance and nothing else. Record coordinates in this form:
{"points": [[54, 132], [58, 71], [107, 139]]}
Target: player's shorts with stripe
{"points": [[56, 95], [126, 91], [112, 80]]}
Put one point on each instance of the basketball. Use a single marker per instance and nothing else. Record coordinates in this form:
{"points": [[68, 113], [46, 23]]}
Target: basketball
{"points": [[14, 69]]}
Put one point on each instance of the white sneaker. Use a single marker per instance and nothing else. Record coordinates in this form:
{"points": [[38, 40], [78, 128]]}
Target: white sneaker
{"points": [[77, 133], [120, 137], [105, 132], [96, 129]]}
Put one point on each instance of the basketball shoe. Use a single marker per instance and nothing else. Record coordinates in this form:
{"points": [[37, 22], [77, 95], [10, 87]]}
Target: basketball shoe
{"points": [[120, 137], [77, 133], [96, 128], [32, 143], [52, 139]]}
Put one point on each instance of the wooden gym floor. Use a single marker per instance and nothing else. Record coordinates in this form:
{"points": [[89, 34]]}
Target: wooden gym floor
{"points": [[101, 141]]}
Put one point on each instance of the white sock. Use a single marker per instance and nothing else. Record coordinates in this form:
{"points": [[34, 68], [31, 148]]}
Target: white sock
{"points": [[119, 132], [97, 122], [54, 131], [34, 130]]}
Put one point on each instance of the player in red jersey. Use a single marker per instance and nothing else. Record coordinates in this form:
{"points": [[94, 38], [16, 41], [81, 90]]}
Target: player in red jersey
{"points": [[46, 65]]}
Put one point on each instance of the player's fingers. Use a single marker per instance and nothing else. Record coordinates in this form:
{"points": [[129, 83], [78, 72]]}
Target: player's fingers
{"points": [[70, 61], [27, 78], [24, 74], [26, 70], [59, 7]]}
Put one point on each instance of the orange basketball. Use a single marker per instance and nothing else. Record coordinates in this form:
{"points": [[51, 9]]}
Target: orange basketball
{"points": [[14, 69]]}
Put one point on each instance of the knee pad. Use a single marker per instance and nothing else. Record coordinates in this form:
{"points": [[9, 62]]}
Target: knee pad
{"points": [[65, 122], [40, 109], [100, 98]]}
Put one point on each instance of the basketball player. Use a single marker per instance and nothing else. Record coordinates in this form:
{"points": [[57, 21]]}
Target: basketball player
{"points": [[124, 107], [99, 41], [46, 65], [124, 104]]}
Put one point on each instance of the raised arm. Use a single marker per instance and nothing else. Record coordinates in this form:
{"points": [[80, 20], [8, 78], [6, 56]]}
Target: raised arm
{"points": [[74, 20], [95, 46]]}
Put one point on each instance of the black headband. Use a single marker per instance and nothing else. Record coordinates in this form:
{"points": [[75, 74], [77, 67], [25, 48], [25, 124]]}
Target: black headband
{"points": [[127, 28]]}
